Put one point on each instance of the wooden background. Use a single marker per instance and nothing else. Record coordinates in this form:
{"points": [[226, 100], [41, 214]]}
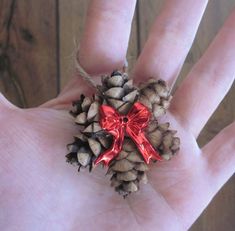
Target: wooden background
{"points": [[37, 41]]}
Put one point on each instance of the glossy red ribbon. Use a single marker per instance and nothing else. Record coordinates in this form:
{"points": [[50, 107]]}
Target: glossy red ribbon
{"points": [[133, 125]]}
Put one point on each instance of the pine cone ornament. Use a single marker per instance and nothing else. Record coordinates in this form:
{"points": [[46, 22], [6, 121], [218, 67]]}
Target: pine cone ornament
{"points": [[93, 144]]}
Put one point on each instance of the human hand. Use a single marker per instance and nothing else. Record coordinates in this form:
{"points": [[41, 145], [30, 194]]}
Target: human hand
{"points": [[39, 191]]}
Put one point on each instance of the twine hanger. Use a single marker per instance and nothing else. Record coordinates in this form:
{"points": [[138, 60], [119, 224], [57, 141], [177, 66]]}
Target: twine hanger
{"points": [[88, 78]]}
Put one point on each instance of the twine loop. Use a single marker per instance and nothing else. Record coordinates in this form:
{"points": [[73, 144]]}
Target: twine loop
{"points": [[88, 78]]}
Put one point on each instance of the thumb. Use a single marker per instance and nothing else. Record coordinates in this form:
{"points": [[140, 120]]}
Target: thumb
{"points": [[5, 104]]}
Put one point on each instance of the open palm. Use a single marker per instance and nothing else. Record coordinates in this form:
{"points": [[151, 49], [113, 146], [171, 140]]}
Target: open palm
{"points": [[39, 191]]}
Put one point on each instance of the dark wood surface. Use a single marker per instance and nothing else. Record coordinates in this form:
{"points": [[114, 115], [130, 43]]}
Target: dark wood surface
{"points": [[38, 40], [28, 42]]}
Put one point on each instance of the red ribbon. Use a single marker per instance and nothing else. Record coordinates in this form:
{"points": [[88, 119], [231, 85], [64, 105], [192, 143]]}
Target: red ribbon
{"points": [[132, 124]]}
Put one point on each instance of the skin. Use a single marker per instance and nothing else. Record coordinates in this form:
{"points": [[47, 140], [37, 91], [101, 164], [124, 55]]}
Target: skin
{"points": [[39, 191]]}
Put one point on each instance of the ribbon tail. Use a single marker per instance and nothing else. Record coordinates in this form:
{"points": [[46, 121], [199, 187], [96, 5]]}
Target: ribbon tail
{"points": [[106, 157], [111, 153], [146, 149]]}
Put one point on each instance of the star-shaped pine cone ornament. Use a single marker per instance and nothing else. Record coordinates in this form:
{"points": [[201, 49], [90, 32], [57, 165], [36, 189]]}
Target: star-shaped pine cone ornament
{"points": [[93, 144]]}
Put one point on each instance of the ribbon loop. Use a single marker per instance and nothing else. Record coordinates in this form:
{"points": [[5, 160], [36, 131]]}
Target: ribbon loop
{"points": [[133, 124]]}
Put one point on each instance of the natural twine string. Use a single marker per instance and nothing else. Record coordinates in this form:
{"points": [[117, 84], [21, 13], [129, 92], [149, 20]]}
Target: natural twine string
{"points": [[88, 78], [84, 74]]}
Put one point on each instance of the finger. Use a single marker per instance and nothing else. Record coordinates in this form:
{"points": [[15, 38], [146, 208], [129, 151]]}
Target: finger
{"points": [[220, 155], [170, 40], [209, 80], [105, 40], [103, 46]]}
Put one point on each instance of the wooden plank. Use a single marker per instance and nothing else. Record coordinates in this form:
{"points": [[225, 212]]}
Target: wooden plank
{"points": [[220, 213], [133, 49], [72, 20], [216, 13], [147, 12], [28, 51]]}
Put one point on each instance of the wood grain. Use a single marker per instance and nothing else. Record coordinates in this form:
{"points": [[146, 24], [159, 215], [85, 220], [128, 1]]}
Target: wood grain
{"points": [[147, 13], [133, 50], [220, 213], [28, 51], [72, 20]]}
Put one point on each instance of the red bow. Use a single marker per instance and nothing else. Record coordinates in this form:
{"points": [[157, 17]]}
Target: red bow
{"points": [[133, 124]]}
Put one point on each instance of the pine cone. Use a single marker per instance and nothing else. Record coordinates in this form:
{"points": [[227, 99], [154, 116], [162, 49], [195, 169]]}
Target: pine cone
{"points": [[118, 91], [162, 139], [91, 140], [156, 96], [128, 169]]}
